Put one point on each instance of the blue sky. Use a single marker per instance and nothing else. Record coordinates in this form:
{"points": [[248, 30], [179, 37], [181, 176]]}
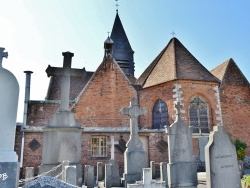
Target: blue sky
{"points": [[35, 33]]}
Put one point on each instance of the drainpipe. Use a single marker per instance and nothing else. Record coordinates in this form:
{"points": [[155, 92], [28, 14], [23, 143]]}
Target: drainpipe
{"points": [[26, 102]]}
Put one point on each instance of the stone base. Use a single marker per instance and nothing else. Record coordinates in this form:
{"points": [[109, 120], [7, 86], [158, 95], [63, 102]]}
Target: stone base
{"points": [[182, 175], [47, 167], [9, 174], [61, 144]]}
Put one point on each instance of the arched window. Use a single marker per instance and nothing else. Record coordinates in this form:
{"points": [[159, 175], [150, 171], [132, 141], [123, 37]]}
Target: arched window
{"points": [[198, 115], [160, 115]]}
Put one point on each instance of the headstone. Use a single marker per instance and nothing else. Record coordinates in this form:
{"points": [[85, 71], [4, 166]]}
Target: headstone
{"points": [[9, 166], [70, 175], [63, 130], [222, 169], [202, 143], [90, 177], [86, 169], [29, 172], [108, 175], [99, 176], [147, 181], [152, 166], [182, 169], [115, 178], [134, 156], [47, 182], [164, 173]]}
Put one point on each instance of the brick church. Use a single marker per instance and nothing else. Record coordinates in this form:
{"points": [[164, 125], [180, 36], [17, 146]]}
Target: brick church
{"points": [[209, 98]]}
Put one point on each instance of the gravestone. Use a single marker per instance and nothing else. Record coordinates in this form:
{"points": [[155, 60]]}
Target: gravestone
{"points": [[115, 178], [99, 176], [70, 175], [182, 169], [63, 130], [108, 176], [134, 156], [163, 172], [222, 168], [47, 182], [9, 166], [90, 182]]}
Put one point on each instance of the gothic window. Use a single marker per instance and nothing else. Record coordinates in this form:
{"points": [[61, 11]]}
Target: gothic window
{"points": [[99, 146], [198, 115], [160, 115]]}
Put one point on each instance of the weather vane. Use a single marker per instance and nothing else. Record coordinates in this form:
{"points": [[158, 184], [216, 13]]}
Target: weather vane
{"points": [[117, 5], [173, 33]]}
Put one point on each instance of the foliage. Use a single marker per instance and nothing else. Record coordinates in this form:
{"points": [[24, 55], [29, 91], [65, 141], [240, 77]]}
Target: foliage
{"points": [[245, 181], [240, 148]]}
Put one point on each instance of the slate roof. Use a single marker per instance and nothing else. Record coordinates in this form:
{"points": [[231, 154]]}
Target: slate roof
{"points": [[122, 51], [230, 74], [174, 62]]}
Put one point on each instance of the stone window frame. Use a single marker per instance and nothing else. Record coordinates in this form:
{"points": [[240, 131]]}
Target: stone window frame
{"points": [[153, 108], [99, 146], [208, 114]]}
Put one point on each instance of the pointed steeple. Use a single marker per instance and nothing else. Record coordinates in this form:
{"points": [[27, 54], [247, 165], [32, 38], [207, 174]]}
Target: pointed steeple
{"points": [[174, 62], [122, 51]]}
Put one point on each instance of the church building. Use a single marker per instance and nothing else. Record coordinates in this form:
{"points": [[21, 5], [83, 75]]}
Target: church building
{"points": [[209, 98]]}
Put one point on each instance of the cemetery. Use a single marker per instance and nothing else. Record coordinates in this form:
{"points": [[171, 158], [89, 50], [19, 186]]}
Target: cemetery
{"points": [[108, 129]]}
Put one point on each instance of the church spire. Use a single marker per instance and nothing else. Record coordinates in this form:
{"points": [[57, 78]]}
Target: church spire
{"points": [[122, 51]]}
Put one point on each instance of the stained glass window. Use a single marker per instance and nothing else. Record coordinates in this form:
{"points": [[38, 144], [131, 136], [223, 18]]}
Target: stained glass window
{"points": [[160, 115], [198, 115]]}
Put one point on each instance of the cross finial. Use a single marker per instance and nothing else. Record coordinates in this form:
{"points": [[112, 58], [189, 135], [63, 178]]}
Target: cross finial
{"points": [[117, 5], [2, 55], [178, 107], [108, 33], [173, 33]]}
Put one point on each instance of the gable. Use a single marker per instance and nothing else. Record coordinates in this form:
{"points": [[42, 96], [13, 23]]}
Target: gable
{"points": [[106, 93]]}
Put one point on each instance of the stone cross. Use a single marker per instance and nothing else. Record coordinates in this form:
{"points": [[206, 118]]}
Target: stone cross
{"points": [[2, 55], [65, 72], [178, 107], [133, 112], [112, 143]]}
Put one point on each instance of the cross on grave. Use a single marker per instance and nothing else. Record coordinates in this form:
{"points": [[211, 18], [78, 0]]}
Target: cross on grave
{"points": [[2, 55], [133, 112], [112, 143], [65, 72], [178, 107]]}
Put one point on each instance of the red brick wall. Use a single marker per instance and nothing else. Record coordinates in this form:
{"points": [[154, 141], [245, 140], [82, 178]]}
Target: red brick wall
{"points": [[39, 113], [149, 96], [235, 103], [100, 102]]}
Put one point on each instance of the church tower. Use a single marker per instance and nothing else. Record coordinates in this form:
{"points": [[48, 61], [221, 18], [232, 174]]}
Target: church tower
{"points": [[122, 51]]}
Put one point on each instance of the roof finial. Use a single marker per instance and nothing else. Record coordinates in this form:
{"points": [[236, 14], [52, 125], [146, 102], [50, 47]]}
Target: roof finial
{"points": [[108, 34], [173, 33], [116, 6]]}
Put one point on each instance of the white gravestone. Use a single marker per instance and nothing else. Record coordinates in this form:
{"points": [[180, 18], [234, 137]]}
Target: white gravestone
{"points": [[134, 156], [182, 169], [9, 166], [222, 169]]}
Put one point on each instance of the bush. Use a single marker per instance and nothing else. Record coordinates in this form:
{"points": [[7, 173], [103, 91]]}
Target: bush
{"points": [[240, 148]]}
